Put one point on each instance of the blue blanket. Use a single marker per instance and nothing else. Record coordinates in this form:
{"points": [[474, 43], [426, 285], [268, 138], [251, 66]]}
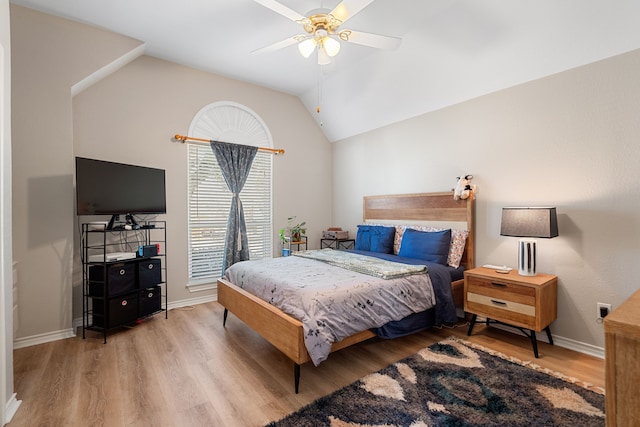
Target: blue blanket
{"points": [[443, 312]]}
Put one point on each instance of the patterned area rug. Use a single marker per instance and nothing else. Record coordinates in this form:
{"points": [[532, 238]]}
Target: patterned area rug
{"points": [[457, 383]]}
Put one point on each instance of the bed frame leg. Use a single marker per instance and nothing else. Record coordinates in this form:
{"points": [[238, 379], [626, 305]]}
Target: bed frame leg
{"points": [[296, 376], [224, 317]]}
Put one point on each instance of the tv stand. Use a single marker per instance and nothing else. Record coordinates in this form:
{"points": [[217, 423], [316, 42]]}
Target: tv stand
{"points": [[119, 290]]}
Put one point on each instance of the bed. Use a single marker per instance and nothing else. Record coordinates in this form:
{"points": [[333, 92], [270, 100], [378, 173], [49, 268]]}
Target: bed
{"points": [[419, 211]]}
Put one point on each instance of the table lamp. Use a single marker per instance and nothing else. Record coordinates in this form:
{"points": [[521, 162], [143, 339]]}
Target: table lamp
{"points": [[540, 222]]}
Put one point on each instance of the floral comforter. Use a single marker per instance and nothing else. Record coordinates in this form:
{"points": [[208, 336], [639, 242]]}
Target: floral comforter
{"points": [[332, 302]]}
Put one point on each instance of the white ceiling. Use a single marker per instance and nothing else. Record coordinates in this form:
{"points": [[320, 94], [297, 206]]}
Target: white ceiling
{"points": [[452, 50]]}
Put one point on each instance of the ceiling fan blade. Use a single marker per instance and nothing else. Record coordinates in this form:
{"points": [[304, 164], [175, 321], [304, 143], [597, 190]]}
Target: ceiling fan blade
{"points": [[347, 8], [370, 39], [281, 9], [278, 45]]}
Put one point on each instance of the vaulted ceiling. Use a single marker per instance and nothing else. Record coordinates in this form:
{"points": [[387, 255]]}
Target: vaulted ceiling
{"points": [[451, 50]]}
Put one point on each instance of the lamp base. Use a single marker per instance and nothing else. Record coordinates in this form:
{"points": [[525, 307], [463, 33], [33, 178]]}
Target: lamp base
{"points": [[527, 257]]}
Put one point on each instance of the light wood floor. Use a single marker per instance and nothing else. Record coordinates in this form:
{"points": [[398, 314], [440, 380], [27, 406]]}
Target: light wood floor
{"points": [[188, 370]]}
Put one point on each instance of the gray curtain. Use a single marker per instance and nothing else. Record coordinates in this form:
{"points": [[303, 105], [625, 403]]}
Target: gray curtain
{"points": [[235, 162]]}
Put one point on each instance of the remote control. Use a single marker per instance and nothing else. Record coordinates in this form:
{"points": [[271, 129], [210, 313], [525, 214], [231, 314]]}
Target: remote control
{"points": [[498, 267]]}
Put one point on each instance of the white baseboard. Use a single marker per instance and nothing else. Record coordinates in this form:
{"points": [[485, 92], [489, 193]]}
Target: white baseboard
{"points": [[44, 338], [11, 408], [578, 346], [574, 345]]}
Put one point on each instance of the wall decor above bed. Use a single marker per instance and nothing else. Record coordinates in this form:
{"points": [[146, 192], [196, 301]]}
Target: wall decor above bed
{"points": [[278, 306]]}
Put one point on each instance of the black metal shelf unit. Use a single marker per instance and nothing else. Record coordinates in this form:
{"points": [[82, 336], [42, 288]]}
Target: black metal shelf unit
{"points": [[121, 292]]}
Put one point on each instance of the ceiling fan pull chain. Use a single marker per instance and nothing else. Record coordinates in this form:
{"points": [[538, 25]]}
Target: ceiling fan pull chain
{"points": [[319, 94]]}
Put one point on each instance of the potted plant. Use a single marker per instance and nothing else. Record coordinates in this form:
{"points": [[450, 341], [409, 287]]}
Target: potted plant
{"points": [[286, 250], [283, 236], [296, 229], [291, 234]]}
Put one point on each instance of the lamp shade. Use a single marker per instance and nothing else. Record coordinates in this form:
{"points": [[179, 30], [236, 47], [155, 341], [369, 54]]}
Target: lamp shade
{"points": [[331, 46], [529, 222], [306, 47]]}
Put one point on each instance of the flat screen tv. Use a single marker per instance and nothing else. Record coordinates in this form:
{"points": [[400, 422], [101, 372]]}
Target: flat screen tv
{"points": [[108, 188]]}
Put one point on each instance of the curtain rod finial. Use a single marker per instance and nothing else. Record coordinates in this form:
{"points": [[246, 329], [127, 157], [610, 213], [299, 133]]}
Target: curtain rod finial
{"points": [[180, 138]]}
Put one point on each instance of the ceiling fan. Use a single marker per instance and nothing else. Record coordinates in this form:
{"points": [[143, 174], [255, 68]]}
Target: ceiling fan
{"points": [[322, 30]]}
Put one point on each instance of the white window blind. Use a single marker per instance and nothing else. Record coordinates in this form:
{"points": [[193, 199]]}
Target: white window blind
{"points": [[209, 203]]}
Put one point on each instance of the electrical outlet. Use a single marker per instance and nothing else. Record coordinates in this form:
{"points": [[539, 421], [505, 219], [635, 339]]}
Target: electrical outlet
{"points": [[603, 310]]}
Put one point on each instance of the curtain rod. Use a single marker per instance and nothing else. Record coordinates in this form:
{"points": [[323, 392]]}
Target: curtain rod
{"points": [[189, 138]]}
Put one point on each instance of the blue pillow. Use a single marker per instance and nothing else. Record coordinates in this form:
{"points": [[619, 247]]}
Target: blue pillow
{"points": [[375, 238], [430, 246]]}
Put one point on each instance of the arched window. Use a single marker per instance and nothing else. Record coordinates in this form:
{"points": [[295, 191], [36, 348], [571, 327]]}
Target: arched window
{"points": [[209, 196]]}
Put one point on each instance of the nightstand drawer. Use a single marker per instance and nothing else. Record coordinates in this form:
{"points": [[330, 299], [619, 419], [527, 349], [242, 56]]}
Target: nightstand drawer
{"points": [[503, 290], [496, 303], [506, 311]]}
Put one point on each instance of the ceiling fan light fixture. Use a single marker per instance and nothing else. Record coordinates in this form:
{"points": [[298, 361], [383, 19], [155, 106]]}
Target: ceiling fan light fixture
{"points": [[331, 46], [323, 33], [306, 47]]}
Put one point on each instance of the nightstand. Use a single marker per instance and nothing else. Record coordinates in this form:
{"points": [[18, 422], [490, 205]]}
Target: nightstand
{"points": [[528, 303]]}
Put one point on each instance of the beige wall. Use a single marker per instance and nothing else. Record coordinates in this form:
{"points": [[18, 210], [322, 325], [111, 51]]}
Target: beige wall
{"points": [[569, 140], [129, 116], [49, 56]]}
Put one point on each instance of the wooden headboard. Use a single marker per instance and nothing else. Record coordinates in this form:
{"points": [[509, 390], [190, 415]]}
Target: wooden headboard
{"points": [[435, 209]]}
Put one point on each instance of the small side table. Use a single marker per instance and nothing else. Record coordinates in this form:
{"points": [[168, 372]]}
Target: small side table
{"points": [[337, 243], [529, 303], [299, 245]]}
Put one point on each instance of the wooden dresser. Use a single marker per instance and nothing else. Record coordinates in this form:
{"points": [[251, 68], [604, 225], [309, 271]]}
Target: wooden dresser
{"points": [[622, 364]]}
